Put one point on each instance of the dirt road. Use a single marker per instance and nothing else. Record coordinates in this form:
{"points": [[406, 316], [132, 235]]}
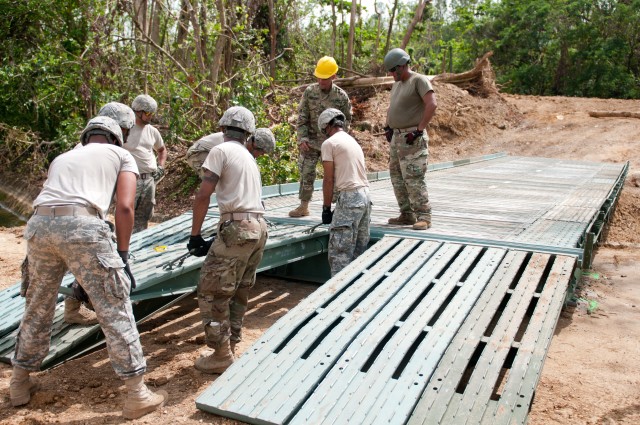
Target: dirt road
{"points": [[591, 375]]}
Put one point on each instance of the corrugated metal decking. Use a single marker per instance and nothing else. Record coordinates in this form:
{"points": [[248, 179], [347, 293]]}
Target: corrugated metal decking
{"points": [[408, 319]]}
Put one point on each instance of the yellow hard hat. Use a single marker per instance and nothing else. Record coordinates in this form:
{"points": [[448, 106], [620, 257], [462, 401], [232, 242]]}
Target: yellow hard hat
{"points": [[326, 67]]}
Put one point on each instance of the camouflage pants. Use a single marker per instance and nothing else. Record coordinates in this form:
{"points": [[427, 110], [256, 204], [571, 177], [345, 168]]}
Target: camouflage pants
{"points": [[85, 247], [196, 159], [144, 203], [407, 167], [349, 230], [228, 272], [307, 163]]}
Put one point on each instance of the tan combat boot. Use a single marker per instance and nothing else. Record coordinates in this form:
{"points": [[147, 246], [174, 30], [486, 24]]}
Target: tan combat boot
{"points": [[74, 313], [140, 399], [422, 224], [301, 211], [217, 362], [404, 218], [21, 387]]}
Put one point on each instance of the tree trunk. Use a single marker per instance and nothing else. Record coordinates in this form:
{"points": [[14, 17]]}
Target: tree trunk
{"points": [[352, 30], [334, 30], [216, 62], [154, 29], [376, 44], [273, 33], [393, 16], [181, 34], [416, 18], [196, 34]]}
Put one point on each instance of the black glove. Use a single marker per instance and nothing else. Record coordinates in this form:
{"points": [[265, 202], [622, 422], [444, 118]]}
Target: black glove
{"points": [[411, 137], [125, 259], [197, 246], [79, 293], [388, 133], [327, 214], [159, 173]]}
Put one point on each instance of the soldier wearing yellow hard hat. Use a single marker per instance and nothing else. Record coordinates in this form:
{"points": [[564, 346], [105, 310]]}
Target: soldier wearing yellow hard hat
{"points": [[316, 98]]}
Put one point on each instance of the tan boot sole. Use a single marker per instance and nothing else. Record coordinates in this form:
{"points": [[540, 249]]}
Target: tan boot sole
{"points": [[21, 401]]}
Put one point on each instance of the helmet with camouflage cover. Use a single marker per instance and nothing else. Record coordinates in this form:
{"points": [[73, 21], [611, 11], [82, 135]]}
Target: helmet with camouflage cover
{"points": [[395, 57], [145, 103], [264, 140], [327, 116], [103, 126], [238, 117], [121, 113]]}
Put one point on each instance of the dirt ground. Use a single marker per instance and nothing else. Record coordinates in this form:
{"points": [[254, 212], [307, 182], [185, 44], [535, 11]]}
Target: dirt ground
{"points": [[591, 375]]}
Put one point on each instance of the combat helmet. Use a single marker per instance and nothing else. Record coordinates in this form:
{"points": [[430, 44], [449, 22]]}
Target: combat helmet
{"points": [[327, 117], [395, 57], [103, 126], [238, 122], [264, 140], [145, 103], [121, 113]]}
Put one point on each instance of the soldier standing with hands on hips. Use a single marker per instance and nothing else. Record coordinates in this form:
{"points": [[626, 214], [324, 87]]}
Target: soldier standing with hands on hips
{"points": [[411, 108]]}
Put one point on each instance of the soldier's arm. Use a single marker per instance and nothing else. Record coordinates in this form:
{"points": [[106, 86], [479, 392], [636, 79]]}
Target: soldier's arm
{"points": [[162, 156], [124, 215], [303, 119], [327, 183], [430, 106], [347, 110], [201, 200]]}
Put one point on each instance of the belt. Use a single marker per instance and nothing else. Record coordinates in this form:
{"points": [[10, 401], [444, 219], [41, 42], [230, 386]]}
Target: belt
{"points": [[359, 189], [405, 130], [240, 216], [67, 210], [145, 176]]}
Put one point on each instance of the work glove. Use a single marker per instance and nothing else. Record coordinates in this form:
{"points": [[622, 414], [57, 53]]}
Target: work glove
{"points": [[327, 214], [79, 293], [125, 259], [413, 136], [158, 174], [388, 133], [197, 246]]}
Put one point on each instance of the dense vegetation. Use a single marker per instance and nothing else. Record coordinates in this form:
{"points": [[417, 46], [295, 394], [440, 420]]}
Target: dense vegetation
{"points": [[60, 60]]}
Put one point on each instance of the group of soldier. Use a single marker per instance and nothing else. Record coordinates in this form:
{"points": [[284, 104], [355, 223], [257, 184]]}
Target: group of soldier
{"points": [[116, 160]]}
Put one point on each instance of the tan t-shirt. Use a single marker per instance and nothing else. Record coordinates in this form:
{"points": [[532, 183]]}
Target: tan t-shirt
{"points": [[141, 143], [349, 171], [85, 176], [239, 188], [406, 106]]}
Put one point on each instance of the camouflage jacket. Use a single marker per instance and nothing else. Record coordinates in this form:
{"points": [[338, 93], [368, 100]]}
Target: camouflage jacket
{"points": [[313, 103]]}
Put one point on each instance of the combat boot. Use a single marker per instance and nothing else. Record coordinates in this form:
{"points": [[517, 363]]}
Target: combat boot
{"points": [[21, 387], [404, 218], [300, 211], [140, 399], [217, 362], [74, 315], [422, 224]]}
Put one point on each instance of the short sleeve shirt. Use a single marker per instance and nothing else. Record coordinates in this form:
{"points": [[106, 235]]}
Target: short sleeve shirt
{"points": [[85, 176], [406, 106], [141, 143], [348, 161], [239, 188]]}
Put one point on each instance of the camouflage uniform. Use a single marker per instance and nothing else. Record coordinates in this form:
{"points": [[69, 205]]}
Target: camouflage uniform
{"points": [[228, 272], [407, 167], [145, 202], [313, 102], [85, 246], [349, 230]]}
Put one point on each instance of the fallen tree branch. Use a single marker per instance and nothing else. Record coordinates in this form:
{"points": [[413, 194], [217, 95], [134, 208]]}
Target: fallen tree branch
{"points": [[616, 114]]}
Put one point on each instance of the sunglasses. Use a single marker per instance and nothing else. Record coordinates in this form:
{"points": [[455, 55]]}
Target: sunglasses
{"points": [[395, 68]]}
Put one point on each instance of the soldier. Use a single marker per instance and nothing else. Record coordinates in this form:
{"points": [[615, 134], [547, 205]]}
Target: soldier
{"points": [[229, 271], [345, 176], [74, 313], [315, 99], [68, 232], [144, 139], [198, 152], [412, 105]]}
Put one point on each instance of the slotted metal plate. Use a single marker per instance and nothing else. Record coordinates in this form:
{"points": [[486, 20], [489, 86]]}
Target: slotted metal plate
{"points": [[365, 347]]}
